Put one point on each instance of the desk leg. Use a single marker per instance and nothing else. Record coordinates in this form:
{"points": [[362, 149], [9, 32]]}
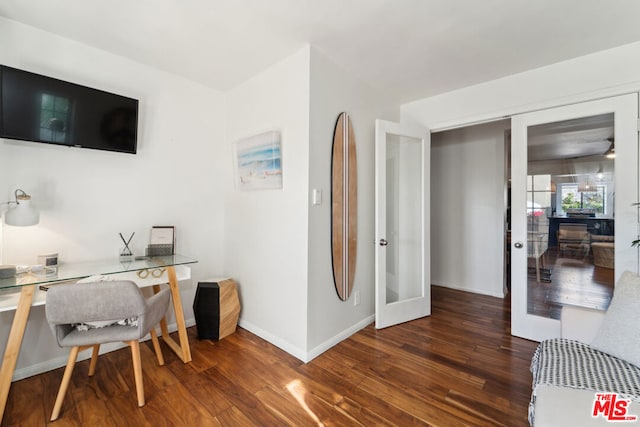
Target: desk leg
{"points": [[183, 350], [13, 344], [537, 250]]}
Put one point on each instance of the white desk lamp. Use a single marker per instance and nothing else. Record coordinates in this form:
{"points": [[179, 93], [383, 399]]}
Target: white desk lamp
{"points": [[21, 215]]}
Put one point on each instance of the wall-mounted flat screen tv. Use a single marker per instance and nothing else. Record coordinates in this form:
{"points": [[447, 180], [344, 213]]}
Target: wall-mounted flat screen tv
{"points": [[43, 109]]}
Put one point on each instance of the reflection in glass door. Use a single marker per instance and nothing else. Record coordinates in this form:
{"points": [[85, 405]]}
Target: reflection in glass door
{"points": [[538, 213], [570, 208], [404, 218], [570, 214]]}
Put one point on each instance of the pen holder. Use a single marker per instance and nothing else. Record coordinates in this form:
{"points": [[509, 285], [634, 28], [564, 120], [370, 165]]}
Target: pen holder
{"points": [[126, 253]]}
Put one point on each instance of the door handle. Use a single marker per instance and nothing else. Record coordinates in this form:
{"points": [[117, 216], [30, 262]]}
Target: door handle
{"points": [[518, 245], [383, 242]]}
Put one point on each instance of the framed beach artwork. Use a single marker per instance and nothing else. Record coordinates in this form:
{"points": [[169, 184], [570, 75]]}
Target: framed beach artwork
{"points": [[258, 162]]}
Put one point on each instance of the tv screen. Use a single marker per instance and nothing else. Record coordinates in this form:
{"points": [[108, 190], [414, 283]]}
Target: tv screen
{"points": [[43, 109]]}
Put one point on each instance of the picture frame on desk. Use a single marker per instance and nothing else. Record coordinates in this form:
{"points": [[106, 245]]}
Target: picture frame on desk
{"points": [[162, 241]]}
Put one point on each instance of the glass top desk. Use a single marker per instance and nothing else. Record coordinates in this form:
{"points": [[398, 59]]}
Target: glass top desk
{"points": [[17, 293]]}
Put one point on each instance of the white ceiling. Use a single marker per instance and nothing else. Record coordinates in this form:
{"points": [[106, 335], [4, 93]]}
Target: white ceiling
{"points": [[570, 139], [412, 48]]}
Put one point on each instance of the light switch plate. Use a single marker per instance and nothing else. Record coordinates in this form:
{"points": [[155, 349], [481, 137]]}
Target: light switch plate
{"points": [[316, 197]]}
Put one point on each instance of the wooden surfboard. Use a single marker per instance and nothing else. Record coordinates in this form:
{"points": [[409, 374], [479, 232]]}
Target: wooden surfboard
{"points": [[344, 206]]}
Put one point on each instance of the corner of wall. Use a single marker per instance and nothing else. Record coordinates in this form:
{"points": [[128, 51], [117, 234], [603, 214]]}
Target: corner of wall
{"points": [[266, 237], [332, 91]]}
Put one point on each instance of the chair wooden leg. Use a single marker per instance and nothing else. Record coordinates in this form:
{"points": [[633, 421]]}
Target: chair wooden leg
{"points": [[156, 346], [137, 370], [94, 359], [66, 378]]}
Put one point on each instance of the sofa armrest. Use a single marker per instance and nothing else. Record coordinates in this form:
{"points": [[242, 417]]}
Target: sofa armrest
{"points": [[580, 323]]}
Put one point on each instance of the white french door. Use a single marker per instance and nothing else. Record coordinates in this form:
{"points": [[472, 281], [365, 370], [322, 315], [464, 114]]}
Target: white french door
{"points": [[527, 214], [402, 223]]}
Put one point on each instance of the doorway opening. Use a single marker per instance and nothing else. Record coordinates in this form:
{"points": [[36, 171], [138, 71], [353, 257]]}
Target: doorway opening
{"points": [[570, 181]]}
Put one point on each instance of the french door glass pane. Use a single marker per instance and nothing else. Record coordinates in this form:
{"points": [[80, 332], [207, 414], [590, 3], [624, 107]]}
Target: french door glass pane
{"points": [[570, 190], [404, 218]]}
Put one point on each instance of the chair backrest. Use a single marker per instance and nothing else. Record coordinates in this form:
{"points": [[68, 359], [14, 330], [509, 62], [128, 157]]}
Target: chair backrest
{"points": [[572, 231], [90, 302]]}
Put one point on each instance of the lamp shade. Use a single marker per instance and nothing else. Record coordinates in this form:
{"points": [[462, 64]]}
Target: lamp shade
{"points": [[23, 213]]}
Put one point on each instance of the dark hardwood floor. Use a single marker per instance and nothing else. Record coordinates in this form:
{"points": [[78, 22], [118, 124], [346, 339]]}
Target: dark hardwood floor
{"points": [[572, 280], [458, 367]]}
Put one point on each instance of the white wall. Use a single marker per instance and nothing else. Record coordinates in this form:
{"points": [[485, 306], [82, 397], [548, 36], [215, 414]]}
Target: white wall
{"points": [[467, 208], [612, 71], [333, 90], [86, 197], [266, 231]]}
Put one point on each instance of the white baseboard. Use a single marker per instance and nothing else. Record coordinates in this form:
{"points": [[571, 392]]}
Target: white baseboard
{"points": [[479, 291], [301, 354], [273, 339], [318, 350]]}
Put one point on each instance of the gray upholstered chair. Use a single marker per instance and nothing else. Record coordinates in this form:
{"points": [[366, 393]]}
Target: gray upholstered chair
{"points": [[85, 315]]}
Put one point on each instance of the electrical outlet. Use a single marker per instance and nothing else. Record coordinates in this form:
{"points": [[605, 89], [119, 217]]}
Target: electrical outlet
{"points": [[356, 298]]}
